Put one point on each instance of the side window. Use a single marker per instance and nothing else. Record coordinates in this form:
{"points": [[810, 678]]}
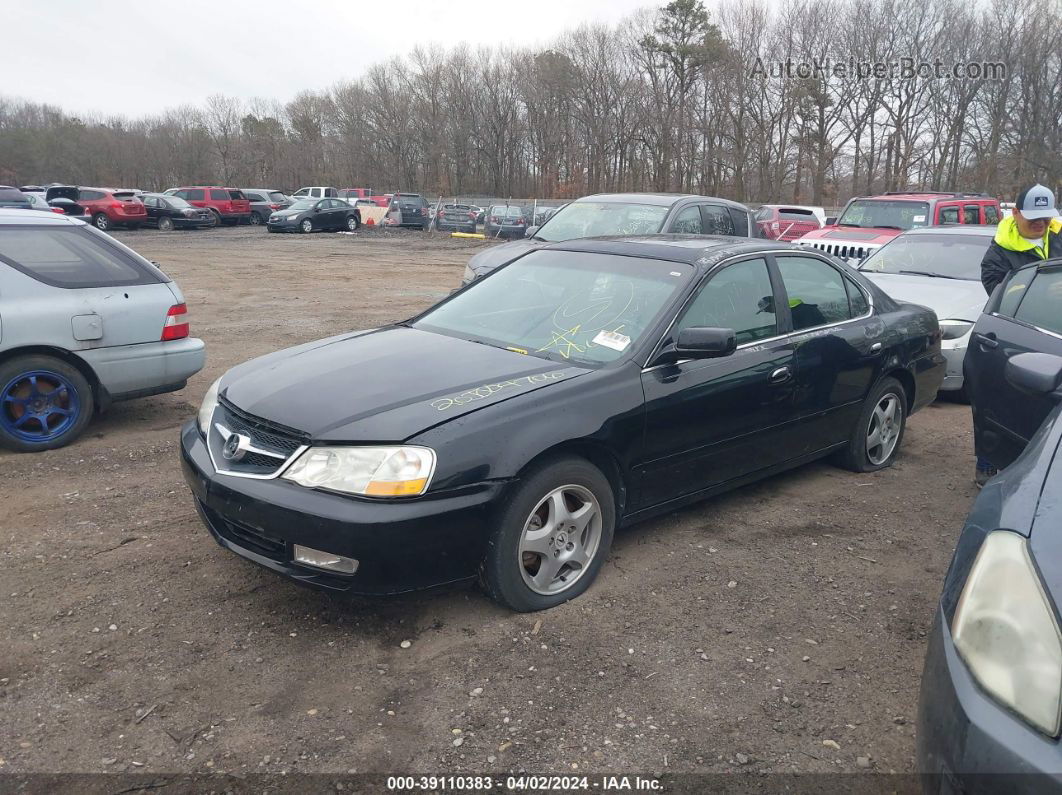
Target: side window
{"points": [[991, 214], [688, 222], [857, 299], [716, 220], [740, 218], [1014, 290], [195, 195], [816, 292], [220, 195], [971, 213], [89, 195], [739, 297], [948, 215], [331, 192], [151, 201], [315, 192], [1042, 303]]}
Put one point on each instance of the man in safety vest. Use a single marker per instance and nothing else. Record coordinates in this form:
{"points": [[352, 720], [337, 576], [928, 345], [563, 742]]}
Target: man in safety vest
{"points": [[1032, 232]]}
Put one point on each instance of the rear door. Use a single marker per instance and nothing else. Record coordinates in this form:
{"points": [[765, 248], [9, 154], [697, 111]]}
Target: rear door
{"points": [[1024, 314], [709, 421], [716, 220], [102, 294], [948, 213]]}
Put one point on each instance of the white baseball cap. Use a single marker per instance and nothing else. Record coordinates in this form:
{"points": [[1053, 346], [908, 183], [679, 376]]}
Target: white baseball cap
{"points": [[1037, 202]]}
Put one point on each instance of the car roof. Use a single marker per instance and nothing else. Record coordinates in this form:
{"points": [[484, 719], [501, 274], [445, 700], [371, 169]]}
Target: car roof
{"points": [[656, 199], [977, 230], [691, 249], [26, 218], [926, 196]]}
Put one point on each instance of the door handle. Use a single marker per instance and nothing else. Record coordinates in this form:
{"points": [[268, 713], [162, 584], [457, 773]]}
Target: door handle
{"points": [[781, 375], [875, 348], [987, 340]]}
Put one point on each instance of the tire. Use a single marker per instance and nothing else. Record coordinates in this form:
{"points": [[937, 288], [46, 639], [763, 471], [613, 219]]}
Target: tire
{"points": [[255, 220], [101, 222], [165, 224], [306, 226], [862, 453], [53, 394], [217, 216], [551, 494], [353, 223]]}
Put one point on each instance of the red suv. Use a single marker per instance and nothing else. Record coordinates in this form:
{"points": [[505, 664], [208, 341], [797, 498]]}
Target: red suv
{"points": [[869, 222], [229, 205], [109, 208], [785, 222]]}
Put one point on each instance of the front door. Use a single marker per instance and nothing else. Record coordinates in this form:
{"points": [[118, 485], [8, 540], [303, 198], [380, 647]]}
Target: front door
{"points": [[712, 420], [1024, 315]]}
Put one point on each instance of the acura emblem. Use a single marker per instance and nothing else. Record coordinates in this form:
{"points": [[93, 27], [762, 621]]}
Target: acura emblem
{"points": [[235, 447]]}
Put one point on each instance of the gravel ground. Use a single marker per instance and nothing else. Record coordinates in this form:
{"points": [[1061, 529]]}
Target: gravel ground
{"points": [[780, 628]]}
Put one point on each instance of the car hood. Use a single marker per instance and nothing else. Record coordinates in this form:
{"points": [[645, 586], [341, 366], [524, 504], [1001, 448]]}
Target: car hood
{"points": [[851, 234], [496, 256], [385, 385], [948, 298]]}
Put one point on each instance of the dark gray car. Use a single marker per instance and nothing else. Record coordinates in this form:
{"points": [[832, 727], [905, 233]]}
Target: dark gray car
{"points": [[610, 214], [990, 712], [265, 202]]}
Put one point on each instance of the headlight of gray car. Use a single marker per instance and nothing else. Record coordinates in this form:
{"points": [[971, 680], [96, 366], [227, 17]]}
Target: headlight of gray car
{"points": [[206, 408], [1005, 630], [367, 471]]}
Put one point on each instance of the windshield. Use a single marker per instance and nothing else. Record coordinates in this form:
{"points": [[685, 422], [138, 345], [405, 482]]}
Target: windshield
{"points": [[949, 256], [561, 305], [596, 219], [885, 213], [303, 204]]}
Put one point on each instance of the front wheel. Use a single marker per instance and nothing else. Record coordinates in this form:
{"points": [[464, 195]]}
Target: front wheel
{"points": [[44, 403], [879, 431], [306, 226], [101, 222], [552, 536]]}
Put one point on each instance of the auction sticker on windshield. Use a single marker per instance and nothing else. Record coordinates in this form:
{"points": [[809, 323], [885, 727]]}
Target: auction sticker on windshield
{"points": [[612, 339]]}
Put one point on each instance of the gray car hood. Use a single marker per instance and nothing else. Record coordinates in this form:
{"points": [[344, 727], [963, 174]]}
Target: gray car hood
{"points": [[496, 256], [950, 299]]}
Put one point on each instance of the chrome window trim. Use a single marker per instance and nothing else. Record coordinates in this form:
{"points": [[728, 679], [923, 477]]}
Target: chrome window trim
{"points": [[866, 294], [1013, 319]]}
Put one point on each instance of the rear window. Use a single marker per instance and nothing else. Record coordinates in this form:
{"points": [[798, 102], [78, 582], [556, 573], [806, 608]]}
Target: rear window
{"points": [[11, 195], [237, 195], [71, 257], [219, 195], [795, 214], [277, 196]]}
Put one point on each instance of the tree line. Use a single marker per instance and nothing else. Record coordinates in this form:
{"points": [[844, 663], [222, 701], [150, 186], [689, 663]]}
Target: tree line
{"points": [[746, 102]]}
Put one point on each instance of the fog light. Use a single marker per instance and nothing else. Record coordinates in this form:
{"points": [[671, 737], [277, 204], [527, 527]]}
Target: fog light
{"points": [[324, 560]]}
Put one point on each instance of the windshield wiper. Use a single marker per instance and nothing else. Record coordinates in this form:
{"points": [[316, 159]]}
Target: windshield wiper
{"points": [[886, 226], [927, 273]]}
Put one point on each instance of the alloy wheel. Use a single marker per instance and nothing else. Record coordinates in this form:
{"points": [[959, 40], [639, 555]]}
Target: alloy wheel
{"points": [[886, 422], [560, 539]]}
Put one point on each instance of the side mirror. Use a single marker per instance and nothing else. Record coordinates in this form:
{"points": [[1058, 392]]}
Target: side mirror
{"points": [[701, 342], [530, 231], [317, 209], [1035, 372]]}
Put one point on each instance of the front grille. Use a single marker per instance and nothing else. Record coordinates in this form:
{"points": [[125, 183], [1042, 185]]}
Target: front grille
{"points": [[276, 444], [844, 250], [246, 536]]}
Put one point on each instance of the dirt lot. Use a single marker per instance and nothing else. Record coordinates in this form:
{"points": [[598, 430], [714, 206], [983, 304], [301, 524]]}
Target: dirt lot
{"points": [[736, 635]]}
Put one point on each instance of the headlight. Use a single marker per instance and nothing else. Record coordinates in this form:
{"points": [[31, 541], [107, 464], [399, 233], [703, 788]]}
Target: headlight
{"points": [[206, 409], [1005, 631], [368, 471], [953, 329], [469, 275]]}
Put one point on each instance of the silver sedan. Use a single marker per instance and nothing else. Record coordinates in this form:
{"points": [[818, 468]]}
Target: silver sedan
{"points": [[84, 321]]}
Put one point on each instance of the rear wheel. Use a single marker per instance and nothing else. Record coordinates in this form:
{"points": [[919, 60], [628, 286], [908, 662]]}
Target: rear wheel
{"points": [[255, 220], [552, 536], [165, 224], [101, 222], [879, 431], [44, 403], [353, 223]]}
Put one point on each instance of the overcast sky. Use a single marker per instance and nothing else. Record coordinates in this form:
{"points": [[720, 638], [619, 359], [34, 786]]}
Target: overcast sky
{"points": [[139, 57]]}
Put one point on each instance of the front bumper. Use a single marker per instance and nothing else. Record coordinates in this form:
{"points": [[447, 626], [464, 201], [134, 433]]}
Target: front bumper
{"points": [[400, 545], [145, 368], [967, 742]]}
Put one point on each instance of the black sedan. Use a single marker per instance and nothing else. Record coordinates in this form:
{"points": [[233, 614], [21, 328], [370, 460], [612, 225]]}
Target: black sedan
{"points": [[990, 713], [510, 429], [314, 215], [171, 212]]}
